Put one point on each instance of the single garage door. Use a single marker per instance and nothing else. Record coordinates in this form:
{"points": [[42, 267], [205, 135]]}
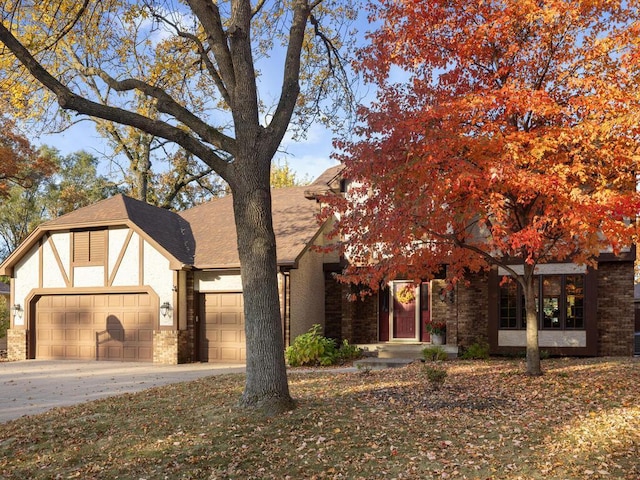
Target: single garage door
{"points": [[222, 337], [94, 327]]}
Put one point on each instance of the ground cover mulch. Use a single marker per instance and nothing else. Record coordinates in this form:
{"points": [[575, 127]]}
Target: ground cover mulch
{"points": [[581, 419]]}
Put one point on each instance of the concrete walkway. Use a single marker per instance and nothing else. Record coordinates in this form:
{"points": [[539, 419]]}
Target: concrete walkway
{"points": [[35, 386]]}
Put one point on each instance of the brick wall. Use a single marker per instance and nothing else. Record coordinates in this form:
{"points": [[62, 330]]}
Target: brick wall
{"points": [[332, 307], [16, 344], [473, 310], [365, 320], [166, 346], [615, 311]]}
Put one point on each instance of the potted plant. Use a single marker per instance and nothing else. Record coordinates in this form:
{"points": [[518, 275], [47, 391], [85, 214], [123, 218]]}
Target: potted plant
{"points": [[437, 331]]}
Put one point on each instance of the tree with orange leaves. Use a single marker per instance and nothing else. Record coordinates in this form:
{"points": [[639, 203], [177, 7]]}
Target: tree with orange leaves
{"points": [[20, 163], [511, 138]]}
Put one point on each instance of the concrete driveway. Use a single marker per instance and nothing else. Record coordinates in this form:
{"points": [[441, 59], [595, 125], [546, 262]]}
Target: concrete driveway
{"points": [[35, 386]]}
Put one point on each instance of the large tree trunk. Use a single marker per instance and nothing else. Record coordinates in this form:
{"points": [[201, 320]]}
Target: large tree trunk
{"points": [[266, 385], [533, 350]]}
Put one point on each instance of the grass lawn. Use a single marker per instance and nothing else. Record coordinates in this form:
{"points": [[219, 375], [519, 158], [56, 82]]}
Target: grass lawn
{"points": [[489, 421]]}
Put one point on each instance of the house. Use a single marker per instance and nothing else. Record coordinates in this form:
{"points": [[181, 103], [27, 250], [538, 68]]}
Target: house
{"points": [[123, 280], [5, 293]]}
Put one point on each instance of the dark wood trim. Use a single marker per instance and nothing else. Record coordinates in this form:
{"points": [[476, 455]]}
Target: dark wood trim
{"points": [[591, 312], [494, 309]]}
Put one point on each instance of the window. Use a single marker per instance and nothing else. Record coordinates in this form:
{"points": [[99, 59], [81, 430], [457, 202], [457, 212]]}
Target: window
{"points": [[509, 304], [89, 247], [559, 303], [424, 296]]}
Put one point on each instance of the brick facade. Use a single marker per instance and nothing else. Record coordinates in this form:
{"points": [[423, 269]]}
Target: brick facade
{"points": [[615, 309], [468, 317], [332, 307], [472, 309], [16, 344], [166, 346]]}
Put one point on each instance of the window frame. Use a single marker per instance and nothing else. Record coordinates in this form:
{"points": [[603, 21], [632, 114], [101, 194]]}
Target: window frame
{"points": [[547, 324]]}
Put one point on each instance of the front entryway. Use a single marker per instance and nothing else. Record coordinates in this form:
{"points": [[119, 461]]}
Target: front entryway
{"points": [[403, 311]]}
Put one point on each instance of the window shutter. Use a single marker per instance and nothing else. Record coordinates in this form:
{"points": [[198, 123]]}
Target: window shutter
{"points": [[81, 247], [89, 247], [96, 246]]}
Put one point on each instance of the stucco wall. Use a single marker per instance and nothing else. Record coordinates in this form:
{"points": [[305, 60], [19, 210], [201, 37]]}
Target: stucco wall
{"points": [[26, 278], [157, 274], [307, 293], [217, 282], [30, 275]]}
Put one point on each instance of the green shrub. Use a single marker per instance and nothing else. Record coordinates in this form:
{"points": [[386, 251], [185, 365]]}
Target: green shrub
{"points": [[348, 352], [435, 353], [476, 351], [311, 348], [436, 375]]}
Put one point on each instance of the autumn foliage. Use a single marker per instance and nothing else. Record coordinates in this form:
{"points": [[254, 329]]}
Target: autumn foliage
{"points": [[20, 163], [511, 133], [502, 131]]}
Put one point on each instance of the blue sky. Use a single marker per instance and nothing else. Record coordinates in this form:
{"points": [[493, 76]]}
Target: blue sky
{"points": [[307, 157]]}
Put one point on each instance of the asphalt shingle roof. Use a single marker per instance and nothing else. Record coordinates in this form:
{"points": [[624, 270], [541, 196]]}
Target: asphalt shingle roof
{"points": [[214, 230], [166, 228], [203, 236]]}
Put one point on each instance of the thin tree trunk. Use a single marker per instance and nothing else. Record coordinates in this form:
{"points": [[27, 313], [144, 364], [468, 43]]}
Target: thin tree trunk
{"points": [[533, 350], [266, 386]]}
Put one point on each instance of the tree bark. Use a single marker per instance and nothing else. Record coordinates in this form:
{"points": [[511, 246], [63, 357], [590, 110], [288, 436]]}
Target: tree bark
{"points": [[266, 386], [533, 350]]}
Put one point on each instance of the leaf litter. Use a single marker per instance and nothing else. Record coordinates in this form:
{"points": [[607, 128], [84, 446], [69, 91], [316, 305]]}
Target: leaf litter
{"points": [[581, 419]]}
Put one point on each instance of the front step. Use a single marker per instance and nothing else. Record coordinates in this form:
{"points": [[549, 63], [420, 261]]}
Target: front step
{"points": [[373, 363], [408, 351]]}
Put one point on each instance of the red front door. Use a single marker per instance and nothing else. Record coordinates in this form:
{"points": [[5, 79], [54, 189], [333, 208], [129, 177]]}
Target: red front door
{"points": [[404, 310]]}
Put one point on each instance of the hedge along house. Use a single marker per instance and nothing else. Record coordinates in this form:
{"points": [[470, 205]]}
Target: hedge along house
{"points": [[123, 280], [581, 311]]}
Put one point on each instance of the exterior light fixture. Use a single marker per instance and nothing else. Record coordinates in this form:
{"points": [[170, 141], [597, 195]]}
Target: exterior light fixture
{"points": [[17, 310], [165, 309], [447, 294]]}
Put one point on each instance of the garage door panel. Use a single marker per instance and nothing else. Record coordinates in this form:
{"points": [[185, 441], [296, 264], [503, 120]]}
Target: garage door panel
{"points": [[58, 301], [146, 319], [130, 301], [106, 327], [222, 336]]}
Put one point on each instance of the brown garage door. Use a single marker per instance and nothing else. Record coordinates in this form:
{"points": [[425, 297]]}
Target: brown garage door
{"points": [[222, 337], [94, 327]]}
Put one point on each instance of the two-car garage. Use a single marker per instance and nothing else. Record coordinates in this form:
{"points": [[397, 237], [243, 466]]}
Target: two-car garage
{"points": [[121, 326]]}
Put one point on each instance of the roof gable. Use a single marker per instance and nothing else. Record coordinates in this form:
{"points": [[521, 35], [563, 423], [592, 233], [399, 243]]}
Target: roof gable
{"points": [[164, 229]]}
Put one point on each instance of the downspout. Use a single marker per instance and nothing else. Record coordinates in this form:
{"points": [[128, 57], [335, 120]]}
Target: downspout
{"points": [[286, 321]]}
